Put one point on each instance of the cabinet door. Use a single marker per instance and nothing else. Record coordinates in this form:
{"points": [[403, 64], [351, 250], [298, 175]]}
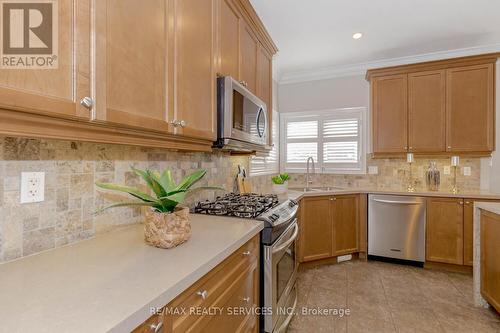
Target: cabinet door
{"points": [[390, 114], [265, 84], [490, 265], [345, 224], [249, 46], [427, 111], [468, 232], [316, 233], [55, 91], [193, 58], [229, 32], [470, 108], [131, 57], [444, 241]]}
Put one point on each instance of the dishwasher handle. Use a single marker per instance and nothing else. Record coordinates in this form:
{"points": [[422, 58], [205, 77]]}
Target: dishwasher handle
{"points": [[398, 202]]}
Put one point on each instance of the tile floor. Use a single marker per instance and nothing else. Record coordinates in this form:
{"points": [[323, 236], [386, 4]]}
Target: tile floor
{"points": [[386, 297]]}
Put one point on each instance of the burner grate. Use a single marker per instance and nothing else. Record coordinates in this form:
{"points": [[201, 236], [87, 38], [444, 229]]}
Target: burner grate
{"points": [[248, 205]]}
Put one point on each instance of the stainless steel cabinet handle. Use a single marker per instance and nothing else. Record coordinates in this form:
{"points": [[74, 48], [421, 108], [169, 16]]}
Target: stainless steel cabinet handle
{"points": [[156, 327], [467, 202], [246, 253], [406, 147], [244, 83], [246, 299], [449, 147], [87, 102], [203, 294], [460, 203], [182, 123], [411, 148]]}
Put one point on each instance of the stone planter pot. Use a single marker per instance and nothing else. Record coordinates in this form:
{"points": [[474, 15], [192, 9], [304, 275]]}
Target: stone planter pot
{"points": [[167, 230], [280, 188]]}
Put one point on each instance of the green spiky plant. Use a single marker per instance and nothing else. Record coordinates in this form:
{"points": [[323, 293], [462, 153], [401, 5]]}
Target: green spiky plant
{"points": [[280, 179], [167, 194]]}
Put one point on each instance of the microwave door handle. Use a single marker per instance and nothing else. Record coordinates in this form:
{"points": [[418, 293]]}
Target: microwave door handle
{"points": [[259, 114], [289, 241]]}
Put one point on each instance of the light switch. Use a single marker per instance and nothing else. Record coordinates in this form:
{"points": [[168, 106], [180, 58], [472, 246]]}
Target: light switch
{"points": [[467, 171], [373, 170], [32, 187], [446, 170]]}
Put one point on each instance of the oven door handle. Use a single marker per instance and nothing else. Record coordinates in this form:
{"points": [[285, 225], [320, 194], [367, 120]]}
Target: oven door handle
{"points": [[289, 241], [285, 324]]}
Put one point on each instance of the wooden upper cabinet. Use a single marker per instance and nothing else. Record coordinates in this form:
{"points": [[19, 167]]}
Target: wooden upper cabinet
{"points": [[444, 241], [427, 111], [131, 63], [390, 113], [55, 91], [229, 32], [265, 84], [316, 234], [193, 59], [249, 47], [470, 108], [345, 224]]}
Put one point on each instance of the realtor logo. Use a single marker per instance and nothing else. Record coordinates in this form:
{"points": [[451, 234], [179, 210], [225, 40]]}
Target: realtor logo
{"points": [[29, 34]]}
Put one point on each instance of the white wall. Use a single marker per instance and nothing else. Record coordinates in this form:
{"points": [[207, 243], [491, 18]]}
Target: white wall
{"points": [[352, 91]]}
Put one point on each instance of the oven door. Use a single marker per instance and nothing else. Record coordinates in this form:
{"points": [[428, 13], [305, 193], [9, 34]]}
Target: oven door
{"points": [[280, 273], [245, 115]]}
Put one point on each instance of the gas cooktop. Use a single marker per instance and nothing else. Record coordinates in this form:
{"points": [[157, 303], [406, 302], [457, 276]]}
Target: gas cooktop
{"points": [[248, 205]]}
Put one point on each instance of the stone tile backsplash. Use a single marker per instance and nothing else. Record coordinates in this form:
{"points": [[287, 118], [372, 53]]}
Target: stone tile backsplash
{"points": [[71, 168], [393, 174]]}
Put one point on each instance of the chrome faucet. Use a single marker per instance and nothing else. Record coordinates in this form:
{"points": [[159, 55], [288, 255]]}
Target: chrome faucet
{"points": [[308, 176]]}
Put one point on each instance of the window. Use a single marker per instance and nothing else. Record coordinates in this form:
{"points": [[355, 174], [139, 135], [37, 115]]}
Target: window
{"points": [[268, 164], [333, 138]]}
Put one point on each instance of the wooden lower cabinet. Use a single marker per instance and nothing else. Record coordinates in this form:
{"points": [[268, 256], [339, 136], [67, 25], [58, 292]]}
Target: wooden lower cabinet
{"points": [[345, 224], [316, 228], [444, 230], [230, 291], [490, 263], [234, 283], [329, 226]]}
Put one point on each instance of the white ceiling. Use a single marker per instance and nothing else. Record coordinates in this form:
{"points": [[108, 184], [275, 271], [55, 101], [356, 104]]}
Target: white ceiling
{"points": [[312, 34]]}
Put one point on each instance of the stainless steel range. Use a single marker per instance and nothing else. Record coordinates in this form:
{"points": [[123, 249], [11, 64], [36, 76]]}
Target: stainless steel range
{"points": [[278, 247]]}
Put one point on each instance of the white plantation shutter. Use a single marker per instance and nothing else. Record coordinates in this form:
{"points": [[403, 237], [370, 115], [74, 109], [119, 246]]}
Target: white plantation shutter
{"points": [[268, 164], [300, 141], [341, 144], [334, 138]]}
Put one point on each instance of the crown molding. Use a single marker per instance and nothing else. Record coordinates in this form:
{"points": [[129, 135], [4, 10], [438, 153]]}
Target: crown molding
{"points": [[331, 72]]}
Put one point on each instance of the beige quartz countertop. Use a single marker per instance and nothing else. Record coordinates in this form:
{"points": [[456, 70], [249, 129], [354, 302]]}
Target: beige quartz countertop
{"points": [[296, 195], [109, 283]]}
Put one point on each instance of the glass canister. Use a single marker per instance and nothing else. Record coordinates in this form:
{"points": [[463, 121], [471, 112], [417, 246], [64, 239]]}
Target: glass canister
{"points": [[433, 177]]}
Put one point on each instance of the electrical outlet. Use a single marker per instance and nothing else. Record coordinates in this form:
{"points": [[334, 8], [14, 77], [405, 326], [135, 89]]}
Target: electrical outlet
{"points": [[467, 171], [32, 187], [447, 170], [373, 170]]}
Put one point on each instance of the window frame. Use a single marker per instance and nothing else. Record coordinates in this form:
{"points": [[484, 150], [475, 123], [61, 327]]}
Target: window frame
{"points": [[321, 116]]}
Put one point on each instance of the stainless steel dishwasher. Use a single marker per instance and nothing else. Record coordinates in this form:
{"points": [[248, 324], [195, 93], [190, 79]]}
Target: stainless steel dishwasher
{"points": [[396, 227]]}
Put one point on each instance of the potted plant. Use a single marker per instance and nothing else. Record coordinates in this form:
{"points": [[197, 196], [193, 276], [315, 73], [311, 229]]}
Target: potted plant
{"points": [[167, 224], [280, 183]]}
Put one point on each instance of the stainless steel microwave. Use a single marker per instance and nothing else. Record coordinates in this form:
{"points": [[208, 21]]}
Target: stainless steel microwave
{"points": [[241, 117]]}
